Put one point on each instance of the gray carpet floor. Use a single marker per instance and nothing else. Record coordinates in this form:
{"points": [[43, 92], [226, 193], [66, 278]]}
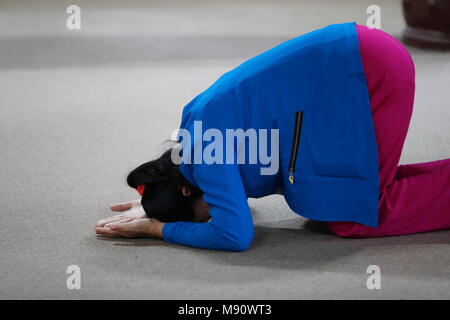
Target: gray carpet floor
{"points": [[79, 109]]}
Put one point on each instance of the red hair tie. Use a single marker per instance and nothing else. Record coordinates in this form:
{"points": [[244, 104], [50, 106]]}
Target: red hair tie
{"points": [[140, 188]]}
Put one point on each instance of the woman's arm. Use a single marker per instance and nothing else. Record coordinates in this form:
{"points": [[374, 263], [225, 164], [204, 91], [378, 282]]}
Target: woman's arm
{"points": [[231, 225]]}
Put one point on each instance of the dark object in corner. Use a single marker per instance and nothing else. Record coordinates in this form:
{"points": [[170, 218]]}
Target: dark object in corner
{"points": [[428, 23]]}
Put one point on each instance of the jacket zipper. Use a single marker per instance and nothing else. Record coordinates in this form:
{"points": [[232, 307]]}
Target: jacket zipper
{"points": [[295, 144]]}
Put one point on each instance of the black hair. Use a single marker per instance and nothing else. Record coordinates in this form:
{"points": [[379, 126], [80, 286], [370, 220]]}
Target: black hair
{"points": [[162, 198]]}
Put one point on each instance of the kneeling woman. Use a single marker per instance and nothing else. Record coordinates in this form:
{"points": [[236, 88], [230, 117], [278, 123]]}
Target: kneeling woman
{"points": [[338, 102]]}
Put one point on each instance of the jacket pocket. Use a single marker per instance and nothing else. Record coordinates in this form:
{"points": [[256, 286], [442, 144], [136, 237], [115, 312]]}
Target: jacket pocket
{"points": [[295, 144]]}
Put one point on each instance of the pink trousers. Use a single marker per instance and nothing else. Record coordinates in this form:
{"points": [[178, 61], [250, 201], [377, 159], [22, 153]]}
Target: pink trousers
{"points": [[414, 197]]}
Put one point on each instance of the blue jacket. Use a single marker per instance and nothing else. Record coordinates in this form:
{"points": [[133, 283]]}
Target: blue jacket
{"points": [[313, 90]]}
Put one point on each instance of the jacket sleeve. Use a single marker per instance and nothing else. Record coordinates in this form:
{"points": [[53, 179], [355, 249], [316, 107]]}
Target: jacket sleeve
{"points": [[231, 225]]}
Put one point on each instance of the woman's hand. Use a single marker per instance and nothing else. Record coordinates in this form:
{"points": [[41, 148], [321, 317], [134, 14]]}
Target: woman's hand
{"points": [[137, 228], [131, 210], [131, 223]]}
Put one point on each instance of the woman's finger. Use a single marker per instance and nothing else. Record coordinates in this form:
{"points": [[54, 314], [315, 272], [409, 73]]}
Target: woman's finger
{"points": [[107, 232], [123, 220], [122, 206], [116, 231], [136, 228], [120, 228], [103, 222], [126, 205]]}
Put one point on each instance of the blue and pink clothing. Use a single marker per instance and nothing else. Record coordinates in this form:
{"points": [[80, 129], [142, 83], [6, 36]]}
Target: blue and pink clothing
{"points": [[354, 89], [413, 197]]}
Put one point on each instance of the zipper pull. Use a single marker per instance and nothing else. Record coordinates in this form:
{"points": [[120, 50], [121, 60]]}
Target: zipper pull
{"points": [[295, 144], [291, 176]]}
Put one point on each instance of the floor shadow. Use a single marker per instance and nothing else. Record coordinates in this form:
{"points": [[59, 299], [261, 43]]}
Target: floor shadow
{"points": [[314, 247], [287, 248], [319, 227], [298, 246], [134, 242]]}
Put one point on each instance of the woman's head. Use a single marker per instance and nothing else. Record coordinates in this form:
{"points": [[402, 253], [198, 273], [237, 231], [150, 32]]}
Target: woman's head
{"points": [[167, 196]]}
